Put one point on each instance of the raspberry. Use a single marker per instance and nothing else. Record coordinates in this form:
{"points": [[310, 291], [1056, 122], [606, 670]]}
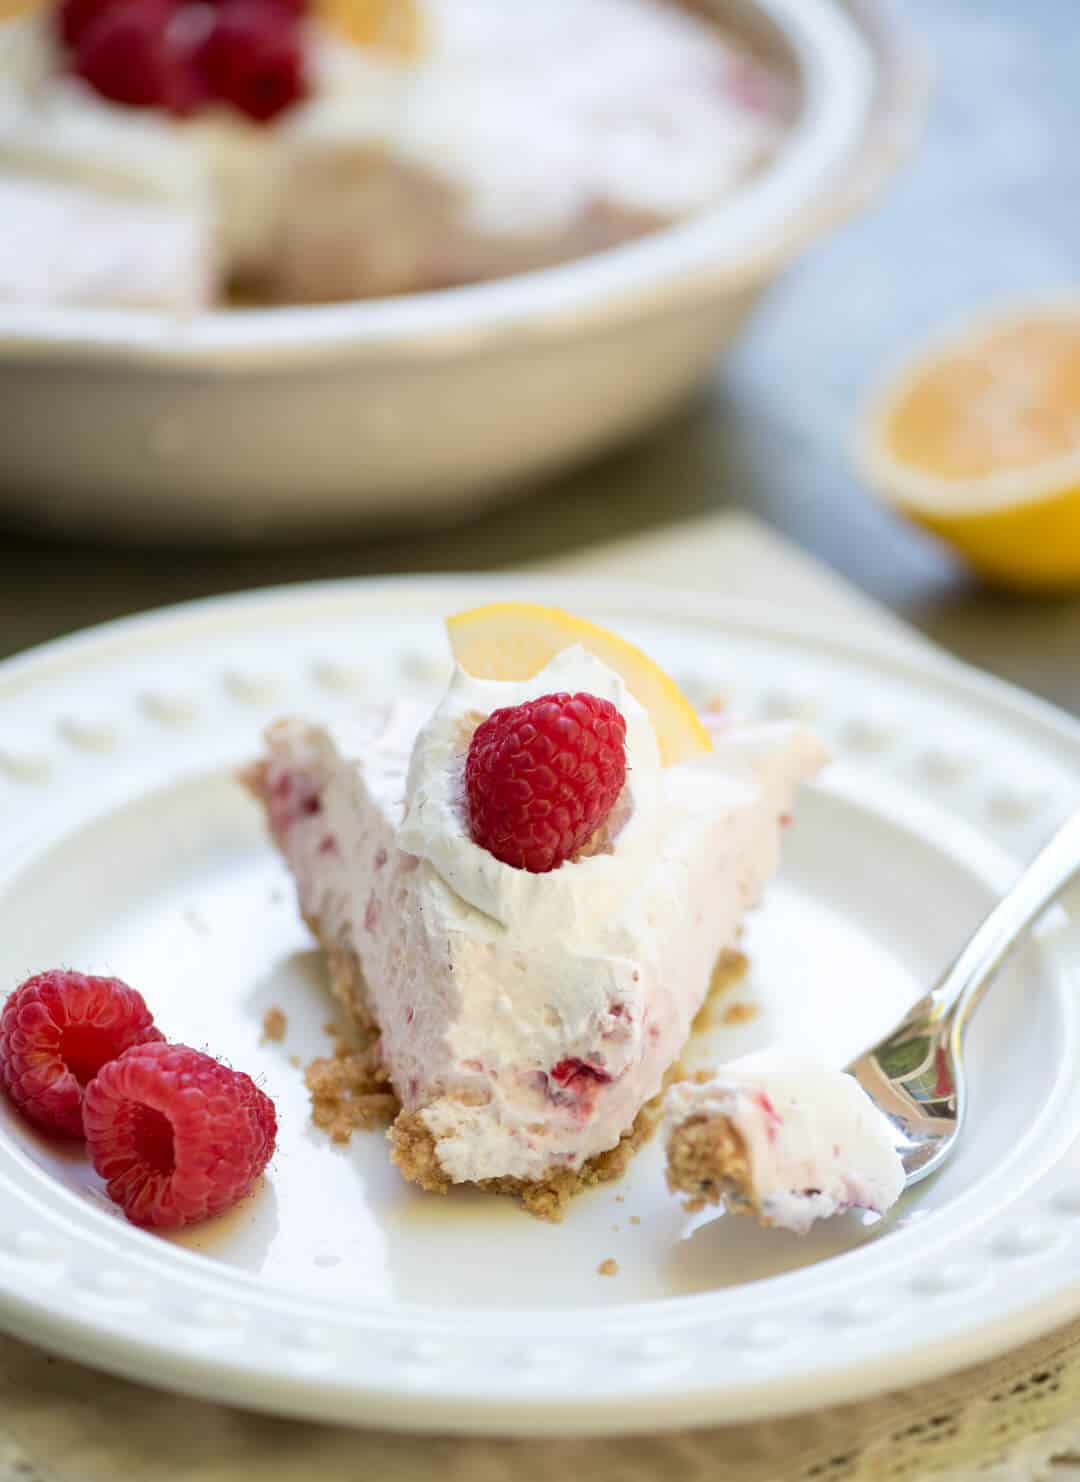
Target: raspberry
{"points": [[130, 53], [576, 1083], [253, 58], [177, 1136], [56, 1032], [572, 1070], [293, 8], [541, 778], [75, 17]]}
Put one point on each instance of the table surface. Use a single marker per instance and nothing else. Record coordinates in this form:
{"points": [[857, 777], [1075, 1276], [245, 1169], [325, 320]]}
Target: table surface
{"points": [[985, 211]]}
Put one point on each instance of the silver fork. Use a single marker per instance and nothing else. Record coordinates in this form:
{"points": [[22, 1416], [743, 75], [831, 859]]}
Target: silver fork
{"points": [[916, 1074]]}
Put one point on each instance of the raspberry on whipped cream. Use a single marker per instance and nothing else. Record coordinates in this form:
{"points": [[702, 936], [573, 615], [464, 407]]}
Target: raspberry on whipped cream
{"points": [[182, 56], [542, 778], [526, 1019], [788, 1142]]}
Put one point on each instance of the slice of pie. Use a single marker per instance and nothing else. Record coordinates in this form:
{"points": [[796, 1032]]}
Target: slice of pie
{"points": [[787, 1145], [529, 1011]]}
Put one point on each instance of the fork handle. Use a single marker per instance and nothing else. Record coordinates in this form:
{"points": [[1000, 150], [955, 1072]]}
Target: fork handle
{"points": [[1054, 868]]}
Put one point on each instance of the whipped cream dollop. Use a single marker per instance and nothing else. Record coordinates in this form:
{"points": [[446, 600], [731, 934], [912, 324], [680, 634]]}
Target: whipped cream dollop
{"points": [[581, 893]]}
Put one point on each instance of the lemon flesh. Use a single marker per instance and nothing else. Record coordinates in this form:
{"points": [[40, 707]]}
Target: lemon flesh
{"points": [[515, 640], [978, 441]]}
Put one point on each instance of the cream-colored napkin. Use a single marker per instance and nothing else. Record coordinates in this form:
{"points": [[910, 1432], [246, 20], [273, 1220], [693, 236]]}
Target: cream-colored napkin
{"points": [[737, 557], [63, 1423]]}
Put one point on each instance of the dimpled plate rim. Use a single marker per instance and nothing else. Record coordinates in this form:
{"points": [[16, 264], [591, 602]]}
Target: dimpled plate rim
{"points": [[887, 1315]]}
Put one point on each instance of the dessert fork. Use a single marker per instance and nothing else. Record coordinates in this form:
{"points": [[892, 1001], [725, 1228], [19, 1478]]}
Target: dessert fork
{"points": [[916, 1075]]}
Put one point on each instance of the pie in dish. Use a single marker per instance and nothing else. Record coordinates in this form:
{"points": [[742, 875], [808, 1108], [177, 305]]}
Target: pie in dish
{"points": [[181, 154], [520, 897], [788, 1144]]}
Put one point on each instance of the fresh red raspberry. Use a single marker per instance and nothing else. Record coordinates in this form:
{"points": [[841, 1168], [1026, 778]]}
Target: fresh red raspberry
{"points": [[75, 17], [132, 53], [294, 8], [541, 778], [253, 58], [177, 1136], [56, 1032]]}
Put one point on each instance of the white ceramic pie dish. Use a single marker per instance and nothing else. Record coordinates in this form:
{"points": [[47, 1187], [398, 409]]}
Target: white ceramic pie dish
{"points": [[271, 422]]}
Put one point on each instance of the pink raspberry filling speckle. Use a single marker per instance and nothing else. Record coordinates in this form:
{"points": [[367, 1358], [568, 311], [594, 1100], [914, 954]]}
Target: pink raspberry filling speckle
{"points": [[290, 798], [576, 1083]]}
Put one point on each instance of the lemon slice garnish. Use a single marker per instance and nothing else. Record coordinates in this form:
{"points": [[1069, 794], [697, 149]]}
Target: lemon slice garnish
{"points": [[515, 640], [11, 9], [978, 440], [394, 26]]}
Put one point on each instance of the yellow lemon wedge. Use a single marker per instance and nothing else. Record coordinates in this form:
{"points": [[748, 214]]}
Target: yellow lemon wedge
{"points": [[515, 640], [10, 9], [978, 440], [395, 26]]}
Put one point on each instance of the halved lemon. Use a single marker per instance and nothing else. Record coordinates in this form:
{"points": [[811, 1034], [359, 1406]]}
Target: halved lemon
{"points": [[514, 641], [390, 25], [978, 440]]}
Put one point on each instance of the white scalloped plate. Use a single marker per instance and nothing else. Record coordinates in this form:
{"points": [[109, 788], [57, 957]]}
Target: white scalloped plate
{"points": [[336, 1291]]}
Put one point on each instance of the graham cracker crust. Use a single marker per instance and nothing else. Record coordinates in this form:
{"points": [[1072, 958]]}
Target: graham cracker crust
{"points": [[413, 1150], [707, 1159], [731, 967], [739, 1013], [346, 981], [275, 1025], [350, 1091]]}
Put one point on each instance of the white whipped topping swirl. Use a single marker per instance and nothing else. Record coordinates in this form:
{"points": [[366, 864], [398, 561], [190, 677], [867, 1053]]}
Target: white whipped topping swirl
{"points": [[581, 892]]}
